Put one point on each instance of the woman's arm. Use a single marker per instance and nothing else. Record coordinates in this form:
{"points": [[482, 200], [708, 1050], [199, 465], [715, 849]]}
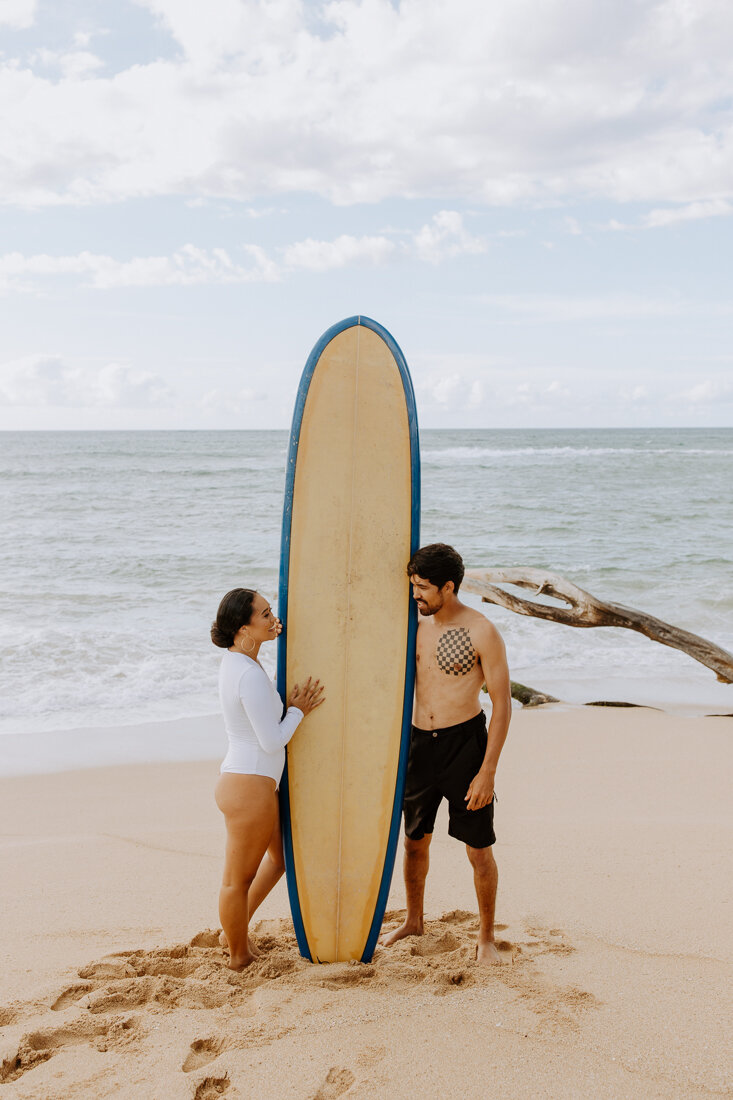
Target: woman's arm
{"points": [[255, 691]]}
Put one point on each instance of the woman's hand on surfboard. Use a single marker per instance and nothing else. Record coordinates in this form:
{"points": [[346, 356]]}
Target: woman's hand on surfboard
{"points": [[307, 697]]}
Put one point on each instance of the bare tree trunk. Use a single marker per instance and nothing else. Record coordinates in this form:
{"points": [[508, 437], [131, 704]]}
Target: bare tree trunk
{"points": [[582, 609]]}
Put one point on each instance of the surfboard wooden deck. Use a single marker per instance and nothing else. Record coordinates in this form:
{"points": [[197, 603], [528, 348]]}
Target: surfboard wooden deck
{"points": [[350, 525]]}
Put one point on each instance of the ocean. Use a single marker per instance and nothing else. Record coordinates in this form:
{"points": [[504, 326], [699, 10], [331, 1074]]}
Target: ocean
{"points": [[116, 547]]}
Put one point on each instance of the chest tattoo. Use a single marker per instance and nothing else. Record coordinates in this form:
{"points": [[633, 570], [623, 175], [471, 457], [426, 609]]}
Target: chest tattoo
{"points": [[455, 654]]}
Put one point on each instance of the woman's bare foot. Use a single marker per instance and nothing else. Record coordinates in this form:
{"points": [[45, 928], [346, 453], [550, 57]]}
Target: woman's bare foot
{"points": [[409, 928], [252, 947], [487, 954], [240, 964]]}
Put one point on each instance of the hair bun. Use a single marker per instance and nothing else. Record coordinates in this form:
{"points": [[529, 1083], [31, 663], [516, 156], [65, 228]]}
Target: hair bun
{"points": [[219, 638]]}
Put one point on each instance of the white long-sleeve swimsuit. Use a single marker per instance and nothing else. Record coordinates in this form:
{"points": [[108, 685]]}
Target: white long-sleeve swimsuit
{"points": [[257, 729]]}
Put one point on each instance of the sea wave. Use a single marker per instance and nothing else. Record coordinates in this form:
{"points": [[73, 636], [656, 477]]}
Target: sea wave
{"points": [[473, 455]]}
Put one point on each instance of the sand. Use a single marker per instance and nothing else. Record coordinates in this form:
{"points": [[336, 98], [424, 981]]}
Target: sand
{"points": [[615, 921]]}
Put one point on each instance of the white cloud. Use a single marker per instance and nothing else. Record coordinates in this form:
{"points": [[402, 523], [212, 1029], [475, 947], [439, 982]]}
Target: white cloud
{"points": [[188, 266], [231, 401], [445, 390], [72, 64], [635, 395], [343, 252], [445, 236], [707, 392], [363, 100], [18, 13], [714, 208], [517, 308], [442, 238], [47, 380], [476, 394]]}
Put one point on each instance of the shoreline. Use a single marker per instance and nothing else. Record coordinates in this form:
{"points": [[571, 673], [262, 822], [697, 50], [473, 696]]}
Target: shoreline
{"points": [[202, 737], [614, 848]]}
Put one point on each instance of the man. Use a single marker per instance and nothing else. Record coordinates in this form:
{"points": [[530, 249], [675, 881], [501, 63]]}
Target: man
{"points": [[451, 754]]}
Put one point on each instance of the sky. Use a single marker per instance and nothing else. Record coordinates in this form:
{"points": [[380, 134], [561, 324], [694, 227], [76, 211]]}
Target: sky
{"points": [[534, 196]]}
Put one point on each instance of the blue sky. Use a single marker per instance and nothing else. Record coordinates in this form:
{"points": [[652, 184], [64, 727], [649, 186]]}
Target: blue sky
{"points": [[535, 197]]}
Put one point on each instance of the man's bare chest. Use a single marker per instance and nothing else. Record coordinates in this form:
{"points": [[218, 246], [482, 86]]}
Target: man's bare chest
{"points": [[448, 653]]}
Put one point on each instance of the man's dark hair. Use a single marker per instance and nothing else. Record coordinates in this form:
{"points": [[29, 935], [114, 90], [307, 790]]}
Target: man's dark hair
{"points": [[437, 563]]}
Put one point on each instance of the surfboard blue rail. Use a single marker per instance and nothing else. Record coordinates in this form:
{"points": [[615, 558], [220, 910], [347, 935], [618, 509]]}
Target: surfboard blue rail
{"points": [[396, 812]]}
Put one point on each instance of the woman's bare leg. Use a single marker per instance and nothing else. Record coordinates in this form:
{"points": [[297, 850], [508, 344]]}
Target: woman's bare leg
{"points": [[249, 805], [270, 870], [268, 874]]}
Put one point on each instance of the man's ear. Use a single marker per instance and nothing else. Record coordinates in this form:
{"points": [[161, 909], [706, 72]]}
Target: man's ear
{"points": [[449, 586]]}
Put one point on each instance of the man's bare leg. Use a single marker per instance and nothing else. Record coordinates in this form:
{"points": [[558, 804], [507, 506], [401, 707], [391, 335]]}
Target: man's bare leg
{"points": [[485, 878], [415, 866]]}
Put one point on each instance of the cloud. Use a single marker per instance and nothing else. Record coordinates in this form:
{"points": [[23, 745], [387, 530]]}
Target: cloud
{"points": [[445, 236], [363, 100], [445, 390], [708, 392], [39, 380], [345, 251], [440, 239], [74, 64], [552, 308], [18, 13], [231, 402], [188, 266], [714, 208]]}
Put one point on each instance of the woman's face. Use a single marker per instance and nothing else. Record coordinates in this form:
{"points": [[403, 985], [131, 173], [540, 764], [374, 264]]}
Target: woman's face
{"points": [[262, 626]]}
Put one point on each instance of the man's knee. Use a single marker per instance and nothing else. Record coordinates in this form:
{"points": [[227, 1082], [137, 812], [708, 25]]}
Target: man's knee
{"points": [[418, 847], [482, 859]]}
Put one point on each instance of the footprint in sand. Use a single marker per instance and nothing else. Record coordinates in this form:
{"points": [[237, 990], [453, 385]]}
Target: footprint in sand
{"points": [[544, 941], [211, 1087], [201, 1053], [339, 975], [439, 944], [38, 1046], [71, 995], [338, 1081]]}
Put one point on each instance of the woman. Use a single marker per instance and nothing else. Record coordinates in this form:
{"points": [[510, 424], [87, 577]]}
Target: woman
{"points": [[246, 791]]}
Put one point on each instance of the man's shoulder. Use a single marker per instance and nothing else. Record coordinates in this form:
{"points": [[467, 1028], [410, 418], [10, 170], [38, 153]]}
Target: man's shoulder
{"points": [[482, 629]]}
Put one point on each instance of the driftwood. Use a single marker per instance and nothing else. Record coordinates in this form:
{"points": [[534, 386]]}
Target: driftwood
{"points": [[582, 609], [530, 697]]}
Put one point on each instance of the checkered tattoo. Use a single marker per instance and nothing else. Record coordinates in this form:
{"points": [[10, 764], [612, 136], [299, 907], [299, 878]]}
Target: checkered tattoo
{"points": [[456, 656]]}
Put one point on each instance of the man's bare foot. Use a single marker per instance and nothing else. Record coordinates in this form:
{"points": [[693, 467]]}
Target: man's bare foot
{"points": [[487, 954], [404, 930]]}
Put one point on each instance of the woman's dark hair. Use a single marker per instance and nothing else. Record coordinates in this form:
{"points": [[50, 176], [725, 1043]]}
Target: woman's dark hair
{"points": [[235, 610], [437, 563]]}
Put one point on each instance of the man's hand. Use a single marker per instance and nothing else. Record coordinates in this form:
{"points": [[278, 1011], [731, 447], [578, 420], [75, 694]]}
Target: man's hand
{"points": [[481, 791]]}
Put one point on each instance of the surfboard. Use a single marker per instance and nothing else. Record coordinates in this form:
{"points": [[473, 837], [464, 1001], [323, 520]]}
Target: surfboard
{"points": [[350, 524]]}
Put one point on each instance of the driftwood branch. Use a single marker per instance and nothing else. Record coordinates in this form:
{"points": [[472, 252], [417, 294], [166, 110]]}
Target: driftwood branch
{"points": [[582, 609]]}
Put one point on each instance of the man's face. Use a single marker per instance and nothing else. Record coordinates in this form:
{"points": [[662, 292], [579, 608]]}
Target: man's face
{"points": [[428, 597]]}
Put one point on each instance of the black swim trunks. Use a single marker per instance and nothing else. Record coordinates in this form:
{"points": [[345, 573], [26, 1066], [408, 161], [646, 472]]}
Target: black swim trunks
{"points": [[441, 765]]}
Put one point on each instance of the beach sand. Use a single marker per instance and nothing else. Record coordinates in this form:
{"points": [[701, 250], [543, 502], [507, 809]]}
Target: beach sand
{"points": [[614, 914]]}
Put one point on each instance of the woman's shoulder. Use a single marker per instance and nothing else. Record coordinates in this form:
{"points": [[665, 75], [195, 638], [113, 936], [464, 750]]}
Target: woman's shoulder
{"points": [[249, 670]]}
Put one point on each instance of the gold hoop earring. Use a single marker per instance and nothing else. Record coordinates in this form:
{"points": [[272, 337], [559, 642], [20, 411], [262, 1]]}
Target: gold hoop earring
{"points": [[249, 650]]}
